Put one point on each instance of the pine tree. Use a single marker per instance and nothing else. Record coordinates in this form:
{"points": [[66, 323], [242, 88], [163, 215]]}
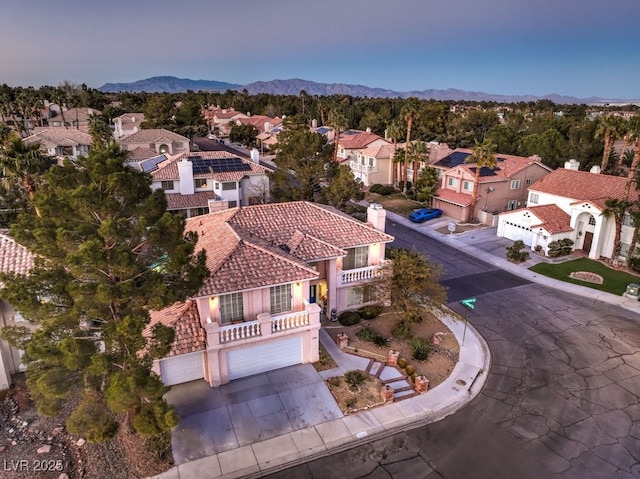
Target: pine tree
{"points": [[108, 251]]}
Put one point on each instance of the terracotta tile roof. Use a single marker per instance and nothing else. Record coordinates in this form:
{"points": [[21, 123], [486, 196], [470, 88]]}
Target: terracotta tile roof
{"points": [[153, 135], [506, 168], [130, 119], [199, 199], [58, 136], [185, 321], [141, 153], [168, 169], [358, 140], [239, 260], [380, 151], [552, 218], [14, 258], [583, 186], [258, 246], [259, 121], [450, 196]]}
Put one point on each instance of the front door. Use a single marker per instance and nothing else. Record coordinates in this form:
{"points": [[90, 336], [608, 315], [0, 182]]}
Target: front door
{"points": [[588, 239], [313, 292]]}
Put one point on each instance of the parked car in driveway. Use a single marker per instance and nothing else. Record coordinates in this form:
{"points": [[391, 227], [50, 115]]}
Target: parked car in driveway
{"points": [[424, 214]]}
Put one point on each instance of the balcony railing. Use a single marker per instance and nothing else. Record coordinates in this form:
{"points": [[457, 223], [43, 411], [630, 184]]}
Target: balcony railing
{"points": [[236, 332], [357, 166], [361, 274], [286, 321]]}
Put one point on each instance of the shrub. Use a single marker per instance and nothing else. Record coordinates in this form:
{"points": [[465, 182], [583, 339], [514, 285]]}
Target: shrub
{"points": [[91, 420], [335, 382], [401, 330], [372, 336], [354, 379], [370, 312], [410, 370], [515, 253], [634, 264], [382, 189], [349, 318], [562, 247], [402, 363], [159, 444], [421, 348]]}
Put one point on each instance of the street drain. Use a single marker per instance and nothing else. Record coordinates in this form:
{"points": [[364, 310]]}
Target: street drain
{"points": [[461, 382]]}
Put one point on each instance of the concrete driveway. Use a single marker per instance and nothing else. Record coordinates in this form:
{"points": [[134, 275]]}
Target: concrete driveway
{"points": [[246, 411]]}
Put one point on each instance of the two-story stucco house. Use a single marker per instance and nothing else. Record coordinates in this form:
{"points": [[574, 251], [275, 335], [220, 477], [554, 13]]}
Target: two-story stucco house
{"points": [[200, 182], [152, 142], [569, 203], [501, 188], [273, 267], [61, 142], [127, 124]]}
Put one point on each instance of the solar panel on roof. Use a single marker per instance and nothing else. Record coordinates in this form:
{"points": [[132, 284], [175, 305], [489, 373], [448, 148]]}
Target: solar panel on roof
{"points": [[218, 165], [484, 171], [454, 159]]}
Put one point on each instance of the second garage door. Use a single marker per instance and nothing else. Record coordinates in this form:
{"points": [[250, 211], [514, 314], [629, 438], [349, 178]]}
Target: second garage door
{"points": [[182, 368], [516, 232], [264, 357]]}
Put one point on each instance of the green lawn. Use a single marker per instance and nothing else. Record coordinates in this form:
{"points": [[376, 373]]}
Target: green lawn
{"points": [[395, 202], [614, 281]]}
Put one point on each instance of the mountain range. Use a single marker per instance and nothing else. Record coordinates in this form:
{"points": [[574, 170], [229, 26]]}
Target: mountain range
{"points": [[170, 84]]}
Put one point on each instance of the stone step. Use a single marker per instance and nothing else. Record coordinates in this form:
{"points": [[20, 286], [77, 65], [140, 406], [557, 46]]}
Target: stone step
{"points": [[376, 369], [404, 395]]}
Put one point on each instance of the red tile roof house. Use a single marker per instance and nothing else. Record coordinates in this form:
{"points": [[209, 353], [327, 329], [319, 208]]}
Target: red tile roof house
{"points": [[61, 142], [14, 258], [127, 124], [152, 142], [272, 268], [569, 203], [501, 188], [201, 182]]}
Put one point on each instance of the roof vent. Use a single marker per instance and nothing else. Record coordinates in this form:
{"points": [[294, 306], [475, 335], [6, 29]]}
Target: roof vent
{"points": [[285, 248]]}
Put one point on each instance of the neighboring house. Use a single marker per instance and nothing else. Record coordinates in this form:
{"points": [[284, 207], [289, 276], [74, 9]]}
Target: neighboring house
{"points": [[351, 142], [152, 142], [501, 188], [569, 204], [217, 117], [77, 118], [14, 258], [61, 142], [374, 165], [272, 268], [198, 183], [127, 124]]}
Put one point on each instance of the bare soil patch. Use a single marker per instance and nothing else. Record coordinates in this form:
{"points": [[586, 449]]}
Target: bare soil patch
{"points": [[23, 431], [436, 368], [349, 400]]}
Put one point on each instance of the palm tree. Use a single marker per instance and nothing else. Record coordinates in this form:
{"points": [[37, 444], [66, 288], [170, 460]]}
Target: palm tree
{"points": [[634, 212], [23, 164], [410, 113], [394, 131], [483, 156], [418, 151], [338, 122], [616, 208], [633, 135], [609, 129]]}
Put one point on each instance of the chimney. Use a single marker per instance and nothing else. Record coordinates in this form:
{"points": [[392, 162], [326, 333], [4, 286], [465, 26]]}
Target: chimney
{"points": [[217, 205], [376, 216], [572, 165], [595, 169], [255, 155], [368, 130], [314, 124], [185, 172]]}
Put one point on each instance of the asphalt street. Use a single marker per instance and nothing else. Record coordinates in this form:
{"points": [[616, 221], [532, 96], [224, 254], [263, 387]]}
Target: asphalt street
{"points": [[562, 399]]}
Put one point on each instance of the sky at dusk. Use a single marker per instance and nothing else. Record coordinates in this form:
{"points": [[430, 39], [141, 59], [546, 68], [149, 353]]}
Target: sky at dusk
{"points": [[580, 48]]}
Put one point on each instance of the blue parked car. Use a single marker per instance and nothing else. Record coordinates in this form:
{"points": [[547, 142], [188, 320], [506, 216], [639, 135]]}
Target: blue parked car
{"points": [[424, 214]]}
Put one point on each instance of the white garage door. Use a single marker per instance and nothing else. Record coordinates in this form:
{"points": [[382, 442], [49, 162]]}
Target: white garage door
{"points": [[264, 357], [514, 231], [182, 368]]}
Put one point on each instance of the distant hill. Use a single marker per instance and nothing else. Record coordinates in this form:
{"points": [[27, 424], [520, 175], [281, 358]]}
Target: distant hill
{"points": [[168, 84]]}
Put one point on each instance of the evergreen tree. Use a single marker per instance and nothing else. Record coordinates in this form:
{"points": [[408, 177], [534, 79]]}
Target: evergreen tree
{"points": [[108, 251]]}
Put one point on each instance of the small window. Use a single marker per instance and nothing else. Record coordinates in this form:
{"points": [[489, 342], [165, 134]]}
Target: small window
{"points": [[198, 212], [356, 258], [515, 184], [527, 182], [626, 220], [216, 185], [230, 185], [178, 144], [592, 221], [534, 198], [231, 308], [452, 182], [201, 183], [360, 295], [467, 185], [167, 185], [233, 204], [371, 162], [280, 298]]}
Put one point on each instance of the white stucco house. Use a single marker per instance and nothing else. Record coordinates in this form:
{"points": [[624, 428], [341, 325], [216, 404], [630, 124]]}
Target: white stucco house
{"points": [[568, 203]]}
